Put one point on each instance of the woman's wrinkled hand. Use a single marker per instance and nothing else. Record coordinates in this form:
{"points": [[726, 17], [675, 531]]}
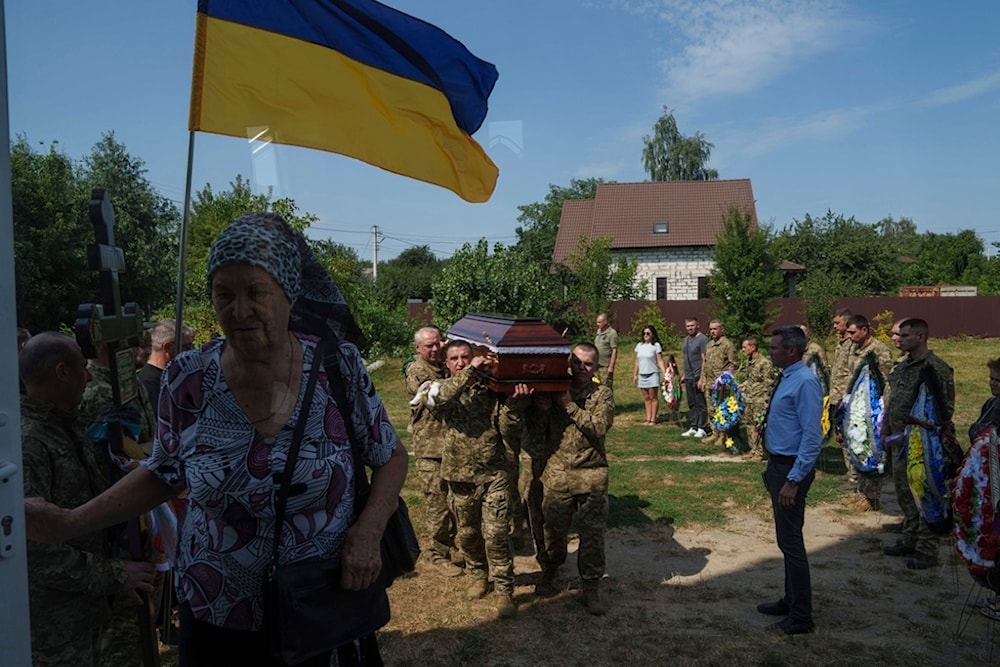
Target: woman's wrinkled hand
{"points": [[361, 561]]}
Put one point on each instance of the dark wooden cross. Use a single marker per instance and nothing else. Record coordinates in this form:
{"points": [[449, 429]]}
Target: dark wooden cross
{"points": [[115, 327]]}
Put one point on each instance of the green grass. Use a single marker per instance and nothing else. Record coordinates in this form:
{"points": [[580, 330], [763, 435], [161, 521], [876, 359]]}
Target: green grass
{"points": [[651, 483]]}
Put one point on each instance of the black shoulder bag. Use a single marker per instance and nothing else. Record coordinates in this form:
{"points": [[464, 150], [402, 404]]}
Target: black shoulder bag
{"points": [[400, 548], [306, 612]]}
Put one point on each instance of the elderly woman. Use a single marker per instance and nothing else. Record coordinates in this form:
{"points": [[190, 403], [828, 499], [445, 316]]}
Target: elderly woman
{"points": [[226, 416]]}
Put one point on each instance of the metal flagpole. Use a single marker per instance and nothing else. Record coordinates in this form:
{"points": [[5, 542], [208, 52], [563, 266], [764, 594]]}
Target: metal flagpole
{"points": [[182, 250]]}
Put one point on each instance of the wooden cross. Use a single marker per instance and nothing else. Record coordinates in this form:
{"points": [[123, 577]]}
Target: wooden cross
{"points": [[109, 324], [115, 327]]}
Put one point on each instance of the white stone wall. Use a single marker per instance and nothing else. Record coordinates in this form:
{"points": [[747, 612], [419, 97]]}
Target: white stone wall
{"points": [[680, 266]]}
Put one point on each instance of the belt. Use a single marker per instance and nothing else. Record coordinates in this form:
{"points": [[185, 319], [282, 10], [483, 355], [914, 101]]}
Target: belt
{"points": [[783, 459]]}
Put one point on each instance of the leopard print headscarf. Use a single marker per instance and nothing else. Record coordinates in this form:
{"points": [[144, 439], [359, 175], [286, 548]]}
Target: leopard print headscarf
{"points": [[265, 240]]}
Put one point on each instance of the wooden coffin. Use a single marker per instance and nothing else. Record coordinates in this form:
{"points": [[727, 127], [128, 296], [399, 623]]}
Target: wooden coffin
{"points": [[527, 350]]}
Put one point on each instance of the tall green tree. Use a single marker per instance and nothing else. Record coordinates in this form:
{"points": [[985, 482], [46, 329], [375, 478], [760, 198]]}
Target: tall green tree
{"points": [[480, 281], [408, 275], [382, 322], [50, 237], [536, 235], [211, 212], [146, 223], [745, 278], [667, 155], [843, 257]]}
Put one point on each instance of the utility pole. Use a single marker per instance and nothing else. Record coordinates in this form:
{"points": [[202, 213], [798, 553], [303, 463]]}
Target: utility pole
{"points": [[374, 253]]}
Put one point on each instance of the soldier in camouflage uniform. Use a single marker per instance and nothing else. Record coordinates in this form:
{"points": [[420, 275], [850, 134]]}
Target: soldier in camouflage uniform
{"points": [[815, 355], [863, 343], [575, 478], [428, 448], [474, 464], [720, 356], [904, 382], [756, 388], [840, 375], [69, 584]]}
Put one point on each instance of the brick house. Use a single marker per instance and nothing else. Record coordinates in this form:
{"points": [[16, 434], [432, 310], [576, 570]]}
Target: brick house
{"points": [[669, 227]]}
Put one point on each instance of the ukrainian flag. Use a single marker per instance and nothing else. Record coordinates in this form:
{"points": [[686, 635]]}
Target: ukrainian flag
{"points": [[353, 77]]}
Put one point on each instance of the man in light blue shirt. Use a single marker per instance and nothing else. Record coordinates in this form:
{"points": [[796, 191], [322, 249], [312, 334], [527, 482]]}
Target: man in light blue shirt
{"points": [[792, 438]]}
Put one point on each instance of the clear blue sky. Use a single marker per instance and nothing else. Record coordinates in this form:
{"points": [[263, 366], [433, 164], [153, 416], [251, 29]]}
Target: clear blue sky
{"points": [[866, 108]]}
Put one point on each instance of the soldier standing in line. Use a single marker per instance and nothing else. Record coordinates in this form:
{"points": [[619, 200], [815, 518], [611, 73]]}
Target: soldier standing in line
{"points": [[840, 375], [920, 364], [475, 466], [575, 478], [428, 447], [756, 390], [69, 584], [815, 354], [720, 356], [868, 489]]}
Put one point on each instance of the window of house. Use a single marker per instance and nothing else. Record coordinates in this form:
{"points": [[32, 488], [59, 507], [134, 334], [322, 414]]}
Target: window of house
{"points": [[661, 228], [661, 289], [704, 291]]}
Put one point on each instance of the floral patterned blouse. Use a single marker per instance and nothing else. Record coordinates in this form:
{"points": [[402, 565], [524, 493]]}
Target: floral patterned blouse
{"points": [[204, 442]]}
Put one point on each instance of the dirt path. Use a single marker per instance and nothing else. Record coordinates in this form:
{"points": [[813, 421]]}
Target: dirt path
{"points": [[688, 597]]}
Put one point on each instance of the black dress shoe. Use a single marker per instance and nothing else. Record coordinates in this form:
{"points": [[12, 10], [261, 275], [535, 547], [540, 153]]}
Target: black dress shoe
{"points": [[900, 548], [791, 627], [778, 608]]}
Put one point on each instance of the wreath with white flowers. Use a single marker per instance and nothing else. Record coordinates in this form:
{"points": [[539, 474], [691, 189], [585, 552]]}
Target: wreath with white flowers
{"points": [[862, 421]]}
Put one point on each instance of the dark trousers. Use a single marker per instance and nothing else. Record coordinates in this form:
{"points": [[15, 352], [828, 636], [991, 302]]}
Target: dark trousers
{"points": [[205, 645], [788, 531], [698, 408]]}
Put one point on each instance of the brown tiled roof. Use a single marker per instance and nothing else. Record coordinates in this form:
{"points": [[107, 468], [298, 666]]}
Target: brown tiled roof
{"points": [[627, 212], [576, 220]]}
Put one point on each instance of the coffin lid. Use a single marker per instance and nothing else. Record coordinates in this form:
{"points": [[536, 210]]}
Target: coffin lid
{"points": [[507, 334]]}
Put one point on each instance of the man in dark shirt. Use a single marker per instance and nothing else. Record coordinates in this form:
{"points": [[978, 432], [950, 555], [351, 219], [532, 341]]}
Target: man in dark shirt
{"points": [[163, 350], [792, 437]]}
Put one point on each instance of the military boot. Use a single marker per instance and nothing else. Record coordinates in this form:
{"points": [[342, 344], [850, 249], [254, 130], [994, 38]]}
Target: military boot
{"points": [[592, 601], [546, 586], [506, 607], [477, 589]]}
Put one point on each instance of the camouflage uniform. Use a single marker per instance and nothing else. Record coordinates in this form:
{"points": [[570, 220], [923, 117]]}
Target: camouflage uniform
{"points": [[119, 637], [840, 376], [97, 396], [904, 381], [869, 487], [758, 385], [474, 464], [720, 355], [531, 429], [428, 446], [814, 349], [575, 480], [840, 373], [69, 584]]}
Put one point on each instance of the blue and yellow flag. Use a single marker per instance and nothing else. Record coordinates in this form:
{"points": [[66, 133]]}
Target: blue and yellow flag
{"points": [[353, 77]]}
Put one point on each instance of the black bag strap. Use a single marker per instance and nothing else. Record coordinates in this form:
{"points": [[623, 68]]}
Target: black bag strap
{"points": [[331, 361], [293, 453]]}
